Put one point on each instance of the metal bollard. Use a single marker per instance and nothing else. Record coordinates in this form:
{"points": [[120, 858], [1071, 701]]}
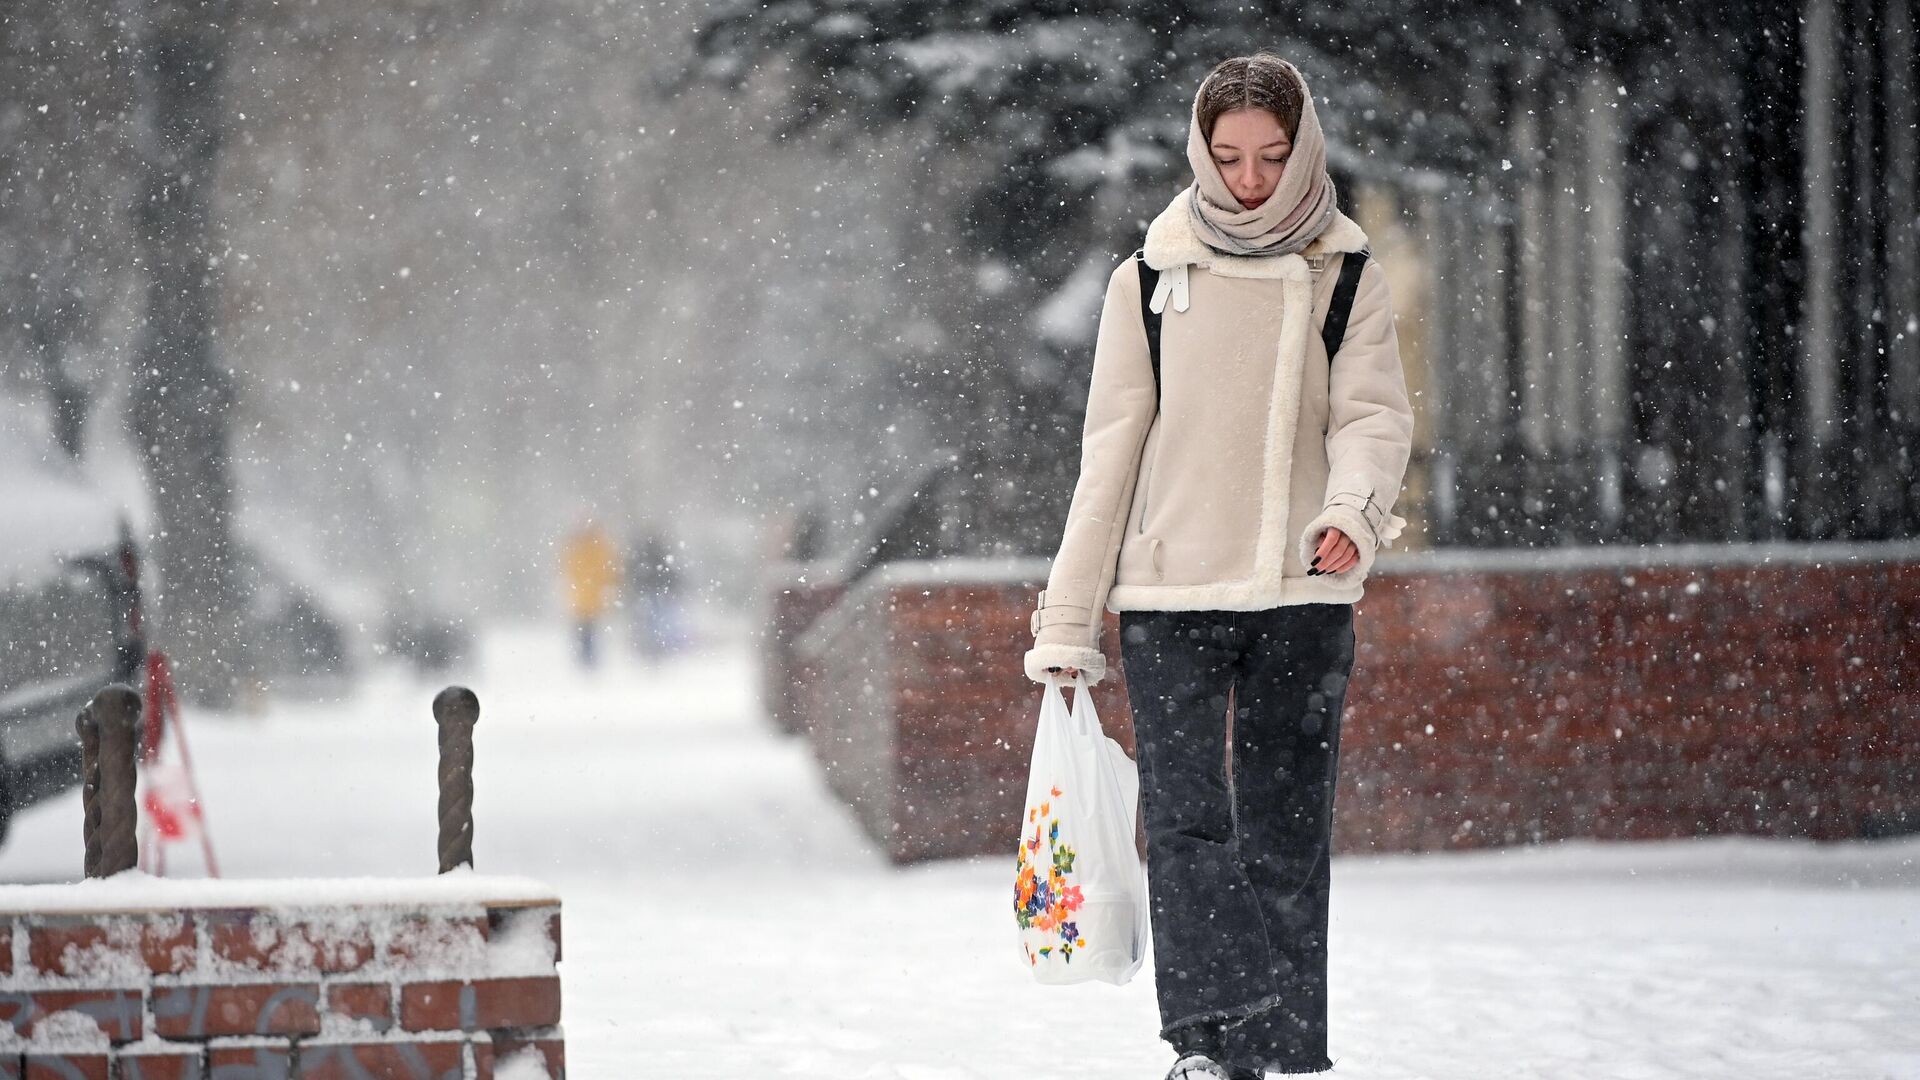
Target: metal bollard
{"points": [[109, 731], [456, 709], [89, 787]]}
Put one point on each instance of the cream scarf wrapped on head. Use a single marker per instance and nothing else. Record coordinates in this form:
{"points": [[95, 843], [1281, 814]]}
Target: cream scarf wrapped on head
{"points": [[1300, 208]]}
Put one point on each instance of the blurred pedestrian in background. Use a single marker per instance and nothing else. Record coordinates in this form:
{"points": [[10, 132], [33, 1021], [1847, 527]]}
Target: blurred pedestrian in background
{"points": [[653, 582], [591, 566]]}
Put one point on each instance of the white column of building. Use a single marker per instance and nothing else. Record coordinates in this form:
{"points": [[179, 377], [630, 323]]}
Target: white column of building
{"points": [[1903, 236], [1569, 312], [1607, 394], [1481, 292], [1533, 290], [1821, 311], [1444, 240]]}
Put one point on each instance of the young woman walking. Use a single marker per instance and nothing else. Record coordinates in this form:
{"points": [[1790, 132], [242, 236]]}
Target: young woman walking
{"points": [[1229, 506]]}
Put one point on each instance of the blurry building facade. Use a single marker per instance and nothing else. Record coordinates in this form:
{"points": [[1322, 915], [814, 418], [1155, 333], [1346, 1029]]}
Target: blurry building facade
{"points": [[1683, 306]]}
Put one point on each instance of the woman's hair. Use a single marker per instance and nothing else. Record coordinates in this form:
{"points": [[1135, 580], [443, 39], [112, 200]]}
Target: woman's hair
{"points": [[1260, 81]]}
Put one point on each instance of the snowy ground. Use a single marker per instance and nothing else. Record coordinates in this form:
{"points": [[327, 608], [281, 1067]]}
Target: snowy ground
{"points": [[726, 919]]}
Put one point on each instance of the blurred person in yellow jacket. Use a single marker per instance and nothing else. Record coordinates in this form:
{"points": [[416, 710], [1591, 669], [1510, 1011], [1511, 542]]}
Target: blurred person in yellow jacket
{"points": [[591, 565]]}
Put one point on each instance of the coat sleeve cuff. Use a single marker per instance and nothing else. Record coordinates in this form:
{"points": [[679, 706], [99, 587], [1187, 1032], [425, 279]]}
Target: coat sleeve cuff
{"points": [[1042, 657], [1355, 525]]}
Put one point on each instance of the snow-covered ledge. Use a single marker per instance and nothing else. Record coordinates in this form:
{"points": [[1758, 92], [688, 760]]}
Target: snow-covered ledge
{"points": [[1033, 570], [1630, 556], [915, 572], [138, 892], [453, 977]]}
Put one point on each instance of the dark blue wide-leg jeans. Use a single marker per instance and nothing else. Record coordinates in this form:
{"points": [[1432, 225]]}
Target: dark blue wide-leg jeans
{"points": [[1238, 843]]}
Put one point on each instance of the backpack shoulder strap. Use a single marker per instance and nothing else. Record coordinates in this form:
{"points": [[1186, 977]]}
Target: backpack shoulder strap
{"points": [[1149, 281], [1334, 330]]}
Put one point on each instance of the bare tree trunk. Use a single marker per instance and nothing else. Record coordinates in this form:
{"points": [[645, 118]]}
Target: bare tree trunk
{"points": [[181, 395]]}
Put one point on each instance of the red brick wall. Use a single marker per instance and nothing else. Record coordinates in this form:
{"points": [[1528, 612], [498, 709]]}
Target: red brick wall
{"points": [[414, 992], [1726, 691], [794, 599], [1777, 700]]}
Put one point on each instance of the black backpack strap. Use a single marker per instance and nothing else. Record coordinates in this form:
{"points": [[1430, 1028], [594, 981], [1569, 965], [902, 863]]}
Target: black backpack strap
{"points": [[1149, 281], [1332, 333], [1334, 330]]}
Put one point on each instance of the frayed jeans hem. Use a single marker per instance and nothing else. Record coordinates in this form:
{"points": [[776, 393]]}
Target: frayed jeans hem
{"points": [[1227, 1018], [1287, 1067]]}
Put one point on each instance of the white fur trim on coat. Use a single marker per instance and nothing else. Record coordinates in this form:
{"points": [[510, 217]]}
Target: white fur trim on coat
{"points": [[1172, 242], [1269, 554], [1175, 241], [1088, 585], [1042, 657]]}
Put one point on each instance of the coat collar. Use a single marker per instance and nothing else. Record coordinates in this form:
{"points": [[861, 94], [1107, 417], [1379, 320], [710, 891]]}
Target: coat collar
{"points": [[1171, 242]]}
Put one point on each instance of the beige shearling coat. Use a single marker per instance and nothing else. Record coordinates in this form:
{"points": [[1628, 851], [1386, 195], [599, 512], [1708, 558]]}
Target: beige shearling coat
{"points": [[1217, 498]]}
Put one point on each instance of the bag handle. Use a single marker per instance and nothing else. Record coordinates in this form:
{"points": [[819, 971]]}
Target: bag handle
{"points": [[1076, 714], [1053, 689]]}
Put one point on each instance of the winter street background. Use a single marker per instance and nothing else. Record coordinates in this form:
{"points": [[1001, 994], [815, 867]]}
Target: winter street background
{"points": [[725, 918], [353, 348]]}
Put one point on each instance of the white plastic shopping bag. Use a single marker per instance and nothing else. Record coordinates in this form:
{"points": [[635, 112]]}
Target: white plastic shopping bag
{"points": [[1080, 893]]}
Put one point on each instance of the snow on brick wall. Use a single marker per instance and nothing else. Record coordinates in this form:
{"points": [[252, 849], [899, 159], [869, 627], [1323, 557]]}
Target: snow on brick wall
{"points": [[143, 979], [1623, 695]]}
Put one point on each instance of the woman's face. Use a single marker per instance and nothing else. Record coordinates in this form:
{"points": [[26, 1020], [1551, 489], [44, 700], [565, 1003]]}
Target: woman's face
{"points": [[1250, 148]]}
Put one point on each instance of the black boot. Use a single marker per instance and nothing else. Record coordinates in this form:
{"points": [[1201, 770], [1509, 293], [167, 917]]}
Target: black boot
{"points": [[1201, 1055], [1205, 1067]]}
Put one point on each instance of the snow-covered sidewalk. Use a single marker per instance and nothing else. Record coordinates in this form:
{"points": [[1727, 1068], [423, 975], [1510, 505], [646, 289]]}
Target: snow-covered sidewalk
{"points": [[725, 918]]}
